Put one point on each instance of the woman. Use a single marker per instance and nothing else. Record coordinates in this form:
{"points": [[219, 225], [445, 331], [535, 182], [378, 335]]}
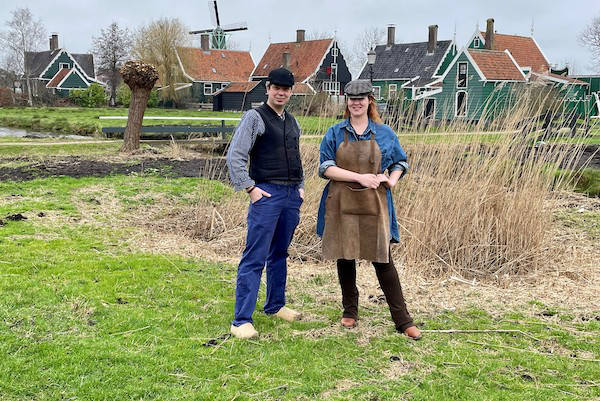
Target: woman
{"points": [[356, 215]]}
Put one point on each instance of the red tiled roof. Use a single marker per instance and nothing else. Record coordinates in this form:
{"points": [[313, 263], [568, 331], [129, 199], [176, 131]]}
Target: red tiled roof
{"points": [[216, 65], [496, 65], [241, 86], [60, 75], [524, 50], [301, 88], [305, 57]]}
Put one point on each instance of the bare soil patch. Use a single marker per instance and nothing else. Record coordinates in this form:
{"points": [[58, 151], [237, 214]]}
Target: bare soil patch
{"points": [[78, 167]]}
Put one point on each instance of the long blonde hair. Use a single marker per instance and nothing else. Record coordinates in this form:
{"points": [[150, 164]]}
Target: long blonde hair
{"points": [[371, 111]]}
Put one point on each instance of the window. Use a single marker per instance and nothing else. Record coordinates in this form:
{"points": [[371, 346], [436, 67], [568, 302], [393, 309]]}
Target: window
{"points": [[392, 91], [461, 79], [429, 109], [334, 52], [461, 104], [208, 89], [334, 69], [377, 92], [476, 43], [63, 65]]}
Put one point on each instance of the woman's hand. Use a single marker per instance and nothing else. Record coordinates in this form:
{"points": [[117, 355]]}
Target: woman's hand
{"points": [[384, 179], [257, 193], [392, 180], [369, 181], [301, 193]]}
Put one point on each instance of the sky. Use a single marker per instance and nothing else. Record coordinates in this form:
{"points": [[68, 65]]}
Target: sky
{"points": [[556, 25]]}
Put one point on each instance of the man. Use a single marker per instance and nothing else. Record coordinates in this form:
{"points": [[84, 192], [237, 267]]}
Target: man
{"points": [[268, 138]]}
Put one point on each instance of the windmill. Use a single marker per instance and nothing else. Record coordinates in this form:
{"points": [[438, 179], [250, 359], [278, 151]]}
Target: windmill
{"points": [[219, 33]]}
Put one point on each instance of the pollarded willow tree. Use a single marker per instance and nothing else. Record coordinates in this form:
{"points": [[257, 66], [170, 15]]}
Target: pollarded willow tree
{"points": [[140, 77]]}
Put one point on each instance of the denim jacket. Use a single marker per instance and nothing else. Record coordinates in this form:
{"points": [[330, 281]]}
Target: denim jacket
{"points": [[392, 158]]}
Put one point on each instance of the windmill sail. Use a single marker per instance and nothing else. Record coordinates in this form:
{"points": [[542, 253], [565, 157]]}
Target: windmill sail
{"points": [[214, 12], [239, 26]]}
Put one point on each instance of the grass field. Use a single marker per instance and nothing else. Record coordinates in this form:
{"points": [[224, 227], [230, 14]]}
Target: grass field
{"points": [[90, 313], [84, 121]]}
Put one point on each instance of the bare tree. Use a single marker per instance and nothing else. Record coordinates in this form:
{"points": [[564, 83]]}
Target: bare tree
{"points": [[590, 38], [155, 44], [112, 49], [356, 53], [24, 35]]}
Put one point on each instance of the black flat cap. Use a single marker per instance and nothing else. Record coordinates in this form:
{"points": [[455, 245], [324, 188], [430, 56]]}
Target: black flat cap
{"points": [[358, 88], [281, 77]]}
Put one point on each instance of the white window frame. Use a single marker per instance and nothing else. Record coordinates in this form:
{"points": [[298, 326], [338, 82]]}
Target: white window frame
{"points": [[60, 65], [334, 51], [334, 67], [331, 87], [458, 74], [208, 85], [377, 92], [476, 43], [456, 104], [392, 88]]}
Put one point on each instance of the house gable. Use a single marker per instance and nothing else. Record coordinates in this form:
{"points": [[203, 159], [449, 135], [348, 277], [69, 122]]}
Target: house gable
{"points": [[306, 57], [73, 80]]}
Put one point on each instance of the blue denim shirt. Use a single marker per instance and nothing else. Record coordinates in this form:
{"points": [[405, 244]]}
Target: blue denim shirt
{"points": [[392, 158]]}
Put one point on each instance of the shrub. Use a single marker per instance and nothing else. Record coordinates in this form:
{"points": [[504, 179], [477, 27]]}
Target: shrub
{"points": [[124, 96], [6, 97], [94, 96]]}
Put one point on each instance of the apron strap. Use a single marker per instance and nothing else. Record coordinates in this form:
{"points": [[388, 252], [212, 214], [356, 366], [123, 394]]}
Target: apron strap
{"points": [[372, 151], [346, 136]]}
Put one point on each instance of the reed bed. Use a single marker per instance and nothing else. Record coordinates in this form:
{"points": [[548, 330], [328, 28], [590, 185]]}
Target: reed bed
{"points": [[474, 208]]}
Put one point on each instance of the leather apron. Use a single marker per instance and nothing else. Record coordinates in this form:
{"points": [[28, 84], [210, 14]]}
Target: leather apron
{"points": [[356, 218]]}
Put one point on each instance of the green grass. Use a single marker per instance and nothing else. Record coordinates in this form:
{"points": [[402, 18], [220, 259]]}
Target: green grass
{"points": [[84, 121], [85, 316], [586, 181]]}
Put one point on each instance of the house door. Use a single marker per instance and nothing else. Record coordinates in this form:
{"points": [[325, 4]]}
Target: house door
{"points": [[429, 111]]}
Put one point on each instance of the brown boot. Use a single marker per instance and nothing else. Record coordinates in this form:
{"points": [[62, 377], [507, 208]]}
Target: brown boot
{"points": [[413, 332], [349, 322]]}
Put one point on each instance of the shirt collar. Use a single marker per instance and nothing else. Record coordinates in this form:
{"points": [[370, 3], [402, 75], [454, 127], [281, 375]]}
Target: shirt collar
{"points": [[369, 132]]}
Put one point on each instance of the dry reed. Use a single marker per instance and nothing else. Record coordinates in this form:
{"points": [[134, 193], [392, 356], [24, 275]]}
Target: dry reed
{"points": [[470, 208]]}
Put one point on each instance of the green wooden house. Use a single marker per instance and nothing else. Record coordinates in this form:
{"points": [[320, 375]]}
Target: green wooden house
{"points": [[409, 71], [477, 82], [58, 71]]}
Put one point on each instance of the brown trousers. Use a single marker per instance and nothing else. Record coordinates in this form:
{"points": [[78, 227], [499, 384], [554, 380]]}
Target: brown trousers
{"points": [[390, 284]]}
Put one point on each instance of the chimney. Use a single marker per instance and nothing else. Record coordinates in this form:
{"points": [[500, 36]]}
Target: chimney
{"points": [[204, 42], [432, 39], [300, 35], [53, 42], [286, 60], [391, 38], [489, 34]]}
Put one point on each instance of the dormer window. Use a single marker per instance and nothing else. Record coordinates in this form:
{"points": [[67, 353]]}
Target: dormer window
{"points": [[63, 65], [476, 43]]}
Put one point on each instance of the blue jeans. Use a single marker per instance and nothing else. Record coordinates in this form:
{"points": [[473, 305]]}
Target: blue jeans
{"points": [[271, 225]]}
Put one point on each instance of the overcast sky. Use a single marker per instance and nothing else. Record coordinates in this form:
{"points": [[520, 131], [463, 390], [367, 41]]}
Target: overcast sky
{"points": [[556, 24]]}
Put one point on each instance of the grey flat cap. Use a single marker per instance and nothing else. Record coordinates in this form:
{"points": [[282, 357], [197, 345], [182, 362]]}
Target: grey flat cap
{"points": [[358, 88]]}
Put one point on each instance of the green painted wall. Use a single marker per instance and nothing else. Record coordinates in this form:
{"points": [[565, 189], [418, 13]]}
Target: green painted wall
{"points": [[594, 82], [197, 92], [482, 97], [63, 58], [74, 81], [447, 60], [384, 85], [472, 44]]}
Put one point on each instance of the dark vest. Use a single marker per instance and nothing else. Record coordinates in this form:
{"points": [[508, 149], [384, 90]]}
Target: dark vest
{"points": [[276, 153]]}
